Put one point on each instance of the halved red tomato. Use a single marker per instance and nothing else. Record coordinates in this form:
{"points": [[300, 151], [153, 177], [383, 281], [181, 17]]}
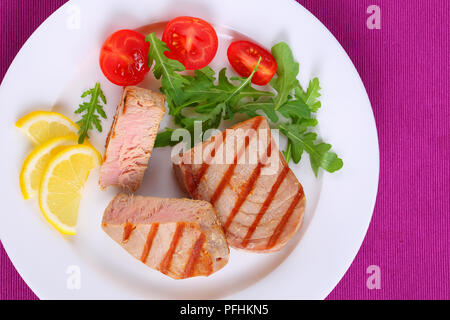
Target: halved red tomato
{"points": [[192, 41], [123, 58], [243, 57]]}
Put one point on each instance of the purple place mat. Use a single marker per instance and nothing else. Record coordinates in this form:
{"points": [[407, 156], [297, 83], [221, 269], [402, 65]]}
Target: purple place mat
{"points": [[405, 66]]}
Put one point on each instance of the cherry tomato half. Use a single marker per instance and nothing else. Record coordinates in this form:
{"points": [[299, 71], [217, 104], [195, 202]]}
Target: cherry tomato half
{"points": [[243, 57], [123, 58], [192, 41]]}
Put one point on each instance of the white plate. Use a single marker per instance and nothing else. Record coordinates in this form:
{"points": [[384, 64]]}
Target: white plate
{"points": [[59, 61]]}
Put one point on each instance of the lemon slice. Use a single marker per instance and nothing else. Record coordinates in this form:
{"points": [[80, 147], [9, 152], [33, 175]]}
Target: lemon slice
{"points": [[62, 183], [41, 126], [36, 162]]}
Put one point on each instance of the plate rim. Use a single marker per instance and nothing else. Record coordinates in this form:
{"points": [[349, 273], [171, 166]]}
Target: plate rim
{"points": [[364, 229]]}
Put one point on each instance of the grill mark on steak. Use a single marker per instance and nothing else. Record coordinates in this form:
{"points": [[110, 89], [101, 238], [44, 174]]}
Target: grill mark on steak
{"points": [[149, 242], [194, 256], [247, 189], [230, 171], [127, 230], [282, 224], [190, 183], [265, 205], [167, 261], [205, 165]]}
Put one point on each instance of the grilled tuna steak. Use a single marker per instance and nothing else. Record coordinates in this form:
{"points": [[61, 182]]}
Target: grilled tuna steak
{"points": [[179, 237], [131, 138], [260, 202]]}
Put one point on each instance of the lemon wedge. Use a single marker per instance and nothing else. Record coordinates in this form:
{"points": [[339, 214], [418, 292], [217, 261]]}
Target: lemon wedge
{"points": [[62, 184], [36, 162], [41, 126]]}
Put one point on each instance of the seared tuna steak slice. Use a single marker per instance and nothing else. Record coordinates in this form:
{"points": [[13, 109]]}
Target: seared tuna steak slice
{"points": [[131, 138], [258, 198], [181, 238]]}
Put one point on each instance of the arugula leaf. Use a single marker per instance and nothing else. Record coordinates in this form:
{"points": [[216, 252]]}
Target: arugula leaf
{"points": [[299, 92], [200, 83], [250, 109], [93, 111], [295, 109], [311, 96], [166, 70], [218, 99], [212, 102], [205, 94], [202, 89], [244, 84], [164, 139], [287, 72], [288, 152], [319, 154], [209, 120]]}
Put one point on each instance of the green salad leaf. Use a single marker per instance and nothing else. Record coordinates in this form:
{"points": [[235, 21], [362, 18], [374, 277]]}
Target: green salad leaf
{"points": [[93, 110], [296, 110], [209, 102], [167, 70], [251, 108], [312, 95], [287, 72], [319, 154], [164, 138]]}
